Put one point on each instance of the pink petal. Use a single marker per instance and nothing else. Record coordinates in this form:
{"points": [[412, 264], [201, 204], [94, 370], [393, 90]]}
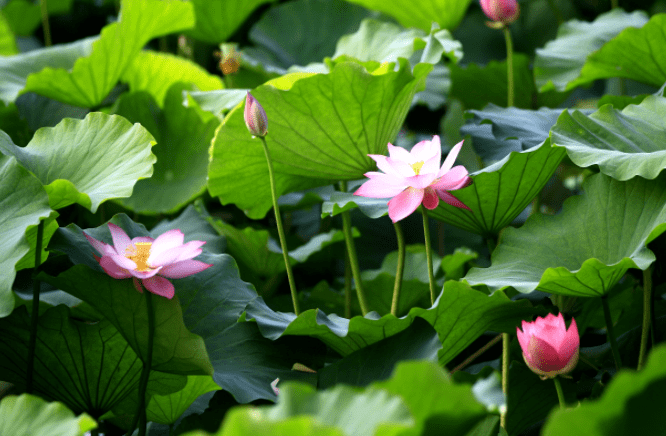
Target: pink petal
{"points": [[398, 153], [523, 339], [401, 168], [379, 187], [425, 150], [457, 178], [384, 164], [164, 257], [431, 166], [571, 342], [430, 199], [159, 286], [142, 239], [190, 250], [167, 240], [137, 285], [543, 356], [450, 199], [421, 181], [111, 268], [145, 274], [120, 239], [101, 247], [184, 268], [403, 204], [450, 159], [122, 261]]}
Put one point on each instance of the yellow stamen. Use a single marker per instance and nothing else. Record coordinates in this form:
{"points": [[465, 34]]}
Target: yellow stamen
{"points": [[139, 253], [416, 166]]}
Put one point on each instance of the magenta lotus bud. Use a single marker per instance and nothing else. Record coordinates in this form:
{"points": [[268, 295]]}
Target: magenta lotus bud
{"points": [[255, 117], [549, 349], [501, 11]]}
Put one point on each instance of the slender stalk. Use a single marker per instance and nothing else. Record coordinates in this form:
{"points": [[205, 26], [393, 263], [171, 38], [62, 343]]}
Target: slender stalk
{"points": [[34, 320], [428, 249], [140, 416], [348, 286], [476, 354], [509, 66], [45, 23], [506, 339], [611, 335], [399, 270], [353, 258], [647, 311], [560, 393], [278, 219], [492, 244]]}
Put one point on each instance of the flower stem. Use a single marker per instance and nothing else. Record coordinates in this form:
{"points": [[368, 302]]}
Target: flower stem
{"points": [[560, 393], [428, 249], [45, 23], [278, 219], [509, 66], [32, 342], [505, 374], [353, 258], [611, 335], [145, 372], [348, 286], [476, 354], [647, 311], [399, 270]]}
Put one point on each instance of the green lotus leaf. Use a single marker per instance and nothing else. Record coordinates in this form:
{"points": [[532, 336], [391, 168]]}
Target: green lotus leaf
{"points": [[93, 77], [87, 161], [7, 41], [624, 144], [156, 72], [46, 419], [313, 139], [446, 13], [560, 64], [343, 201], [24, 16], [183, 136], [630, 403], [500, 192], [217, 20], [587, 248], [240, 422], [217, 102], [24, 203]]}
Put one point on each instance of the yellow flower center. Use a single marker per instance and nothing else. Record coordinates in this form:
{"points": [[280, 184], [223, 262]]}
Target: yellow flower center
{"points": [[416, 166], [139, 253]]}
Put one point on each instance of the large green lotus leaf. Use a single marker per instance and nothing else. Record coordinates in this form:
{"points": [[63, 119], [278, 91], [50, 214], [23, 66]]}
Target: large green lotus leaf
{"points": [[301, 32], [30, 415], [183, 136], [501, 191], [156, 72], [447, 13], [23, 202], [320, 130], [588, 247], [631, 404], [217, 20], [7, 40], [476, 86], [87, 161], [15, 69], [50, 226], [459, 315], [241, 422], [558, 65], [25, 16], [343, 201], [217, 102], [624, 144], [93, 77]]}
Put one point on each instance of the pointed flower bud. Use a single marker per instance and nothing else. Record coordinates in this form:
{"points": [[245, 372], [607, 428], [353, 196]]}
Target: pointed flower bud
{"points": [[549, 349], [255, 117], [501, 11]]}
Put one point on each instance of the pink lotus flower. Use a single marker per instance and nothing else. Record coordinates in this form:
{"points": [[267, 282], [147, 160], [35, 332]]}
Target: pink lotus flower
{"points": [[415, 177], [149, 260], [549, 349], [501, 11], [255, 117]]}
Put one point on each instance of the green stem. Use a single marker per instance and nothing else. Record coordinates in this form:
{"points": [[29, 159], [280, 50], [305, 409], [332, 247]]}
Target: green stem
{"points": [[140, 416], [560, 393], [45, 23], [428, 249], [506, 340], [353, 258], [492, 244], [611, 335], [476, 354], [509, 66], [34, 320], [647, 311], [399, 270], [348, 286], [278, 219]]}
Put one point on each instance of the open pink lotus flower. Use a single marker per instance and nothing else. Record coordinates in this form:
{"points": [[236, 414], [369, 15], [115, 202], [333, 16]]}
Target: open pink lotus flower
{"points": [[549, 349], [415, 177], [149, 260]]}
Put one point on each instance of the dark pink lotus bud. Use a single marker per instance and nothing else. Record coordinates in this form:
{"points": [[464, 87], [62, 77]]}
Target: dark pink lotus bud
{"points": [[255, 117], [501, 11]]}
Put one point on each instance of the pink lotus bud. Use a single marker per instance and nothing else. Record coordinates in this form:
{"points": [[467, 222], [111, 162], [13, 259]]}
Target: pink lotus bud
{"points": [[501, 11], [255, 117], [549, 349]]}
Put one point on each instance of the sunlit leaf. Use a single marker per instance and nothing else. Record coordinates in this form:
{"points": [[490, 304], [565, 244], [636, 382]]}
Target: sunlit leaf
{"points": [[217, 20], [7, 40], [45, 419]]}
